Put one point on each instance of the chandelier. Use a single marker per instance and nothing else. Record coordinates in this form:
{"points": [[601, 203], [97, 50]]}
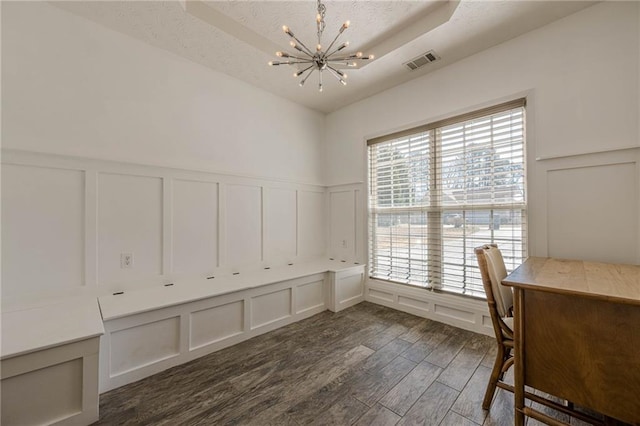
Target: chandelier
{"points": [[322, 59]]}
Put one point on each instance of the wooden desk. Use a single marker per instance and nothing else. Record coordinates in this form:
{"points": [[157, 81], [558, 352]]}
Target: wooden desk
{"points": [[577, 335]]}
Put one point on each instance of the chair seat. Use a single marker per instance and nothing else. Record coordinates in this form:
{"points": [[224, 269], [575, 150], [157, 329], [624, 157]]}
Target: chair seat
{"points": [[509, 322]]}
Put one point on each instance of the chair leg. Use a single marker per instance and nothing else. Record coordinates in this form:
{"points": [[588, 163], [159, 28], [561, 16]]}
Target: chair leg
{"points": [[496, 373]]}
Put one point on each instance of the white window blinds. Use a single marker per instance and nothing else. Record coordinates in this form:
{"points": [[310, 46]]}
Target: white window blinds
{"points": [[440, 190]]}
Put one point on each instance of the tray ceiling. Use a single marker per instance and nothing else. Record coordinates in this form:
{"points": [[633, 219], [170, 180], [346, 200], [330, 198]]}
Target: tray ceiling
{"points": [[238, 38]]}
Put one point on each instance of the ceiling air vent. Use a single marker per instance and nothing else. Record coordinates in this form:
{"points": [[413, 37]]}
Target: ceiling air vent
{"points": [[422, 60]]}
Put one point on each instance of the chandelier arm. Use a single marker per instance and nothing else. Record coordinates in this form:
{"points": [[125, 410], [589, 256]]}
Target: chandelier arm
{"points": [[337, 76], [332, 43], [308, 52], [299, 73], [342, 46], [343, 58], [345, 63], [349, 58], [309, 59], [336, 71], [305, 78], [292, 62], [320, 80]]}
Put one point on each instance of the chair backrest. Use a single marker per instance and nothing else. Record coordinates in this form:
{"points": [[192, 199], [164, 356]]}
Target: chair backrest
{"points": [[493, 272]]}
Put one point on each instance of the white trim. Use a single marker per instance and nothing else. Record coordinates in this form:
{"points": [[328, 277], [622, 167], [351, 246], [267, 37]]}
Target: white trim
{"points": [[458, 311], [18, 156]]}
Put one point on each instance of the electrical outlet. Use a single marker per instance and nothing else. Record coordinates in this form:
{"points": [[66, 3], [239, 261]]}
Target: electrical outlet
{"points": [[126, 260]]}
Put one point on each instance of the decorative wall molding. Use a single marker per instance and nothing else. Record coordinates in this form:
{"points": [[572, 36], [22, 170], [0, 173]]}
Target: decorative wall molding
{"points": [[463, 312], [175, 222], [579, 154], [604, 187], [347, 222]]}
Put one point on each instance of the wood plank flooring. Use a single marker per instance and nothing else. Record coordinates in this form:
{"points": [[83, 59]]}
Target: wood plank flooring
{"points": [[367, 365]]}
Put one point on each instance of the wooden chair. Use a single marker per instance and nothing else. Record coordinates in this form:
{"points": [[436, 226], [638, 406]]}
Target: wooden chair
{"points": [[500, 300]]}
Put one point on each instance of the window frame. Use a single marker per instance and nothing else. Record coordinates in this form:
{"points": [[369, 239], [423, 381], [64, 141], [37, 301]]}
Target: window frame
{"points": [[436, 209]]}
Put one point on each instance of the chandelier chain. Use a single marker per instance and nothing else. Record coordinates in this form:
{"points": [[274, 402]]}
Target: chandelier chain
{"points": [[321, 12]]}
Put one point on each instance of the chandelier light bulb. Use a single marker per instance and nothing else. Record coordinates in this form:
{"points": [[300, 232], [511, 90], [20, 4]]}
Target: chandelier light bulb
{"points": [[270, 63], [320, 60]]}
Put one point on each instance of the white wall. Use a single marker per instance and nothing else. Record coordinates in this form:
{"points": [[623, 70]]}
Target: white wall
{"points": [[70, 86], [581, 79], [112, 146]]}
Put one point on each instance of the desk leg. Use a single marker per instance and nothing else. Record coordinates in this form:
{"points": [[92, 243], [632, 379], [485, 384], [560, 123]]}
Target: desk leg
{"points": [[519, 356]]}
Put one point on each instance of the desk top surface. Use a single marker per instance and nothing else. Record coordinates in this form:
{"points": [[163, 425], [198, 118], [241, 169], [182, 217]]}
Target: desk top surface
{"points": [[606, 281]]}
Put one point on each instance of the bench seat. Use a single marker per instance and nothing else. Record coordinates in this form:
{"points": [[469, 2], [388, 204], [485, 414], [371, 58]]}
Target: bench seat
{"points": [[152, 329], [49, 363]]}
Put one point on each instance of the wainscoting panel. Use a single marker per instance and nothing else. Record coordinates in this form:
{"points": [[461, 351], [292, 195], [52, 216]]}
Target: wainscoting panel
{"points": [[414, 303], [194, 227], [382, 296], [454, 313], [214, 324], [46, 401], [598, 222], [42, 231], [342, 213], [348, 222], [350, 287], [271, 307], [243, 225], [129, 221], [467, 313], [280, 227], [144, 344], [310, 295], [311, 223]]}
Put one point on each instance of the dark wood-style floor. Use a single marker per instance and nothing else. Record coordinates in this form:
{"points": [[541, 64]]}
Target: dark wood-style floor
{"points": [[367, 365]]}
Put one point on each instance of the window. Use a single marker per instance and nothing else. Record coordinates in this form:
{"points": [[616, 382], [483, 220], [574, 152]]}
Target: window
{"points": [[439, 190]]}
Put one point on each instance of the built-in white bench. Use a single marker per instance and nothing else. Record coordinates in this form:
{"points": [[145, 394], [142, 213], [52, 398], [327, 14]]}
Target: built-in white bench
{"points": [[49, 363], [152, 329], [54, 361]]}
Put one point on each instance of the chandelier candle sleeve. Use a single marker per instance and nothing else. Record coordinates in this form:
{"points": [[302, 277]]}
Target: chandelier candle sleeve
{"points": [[322, 59]]}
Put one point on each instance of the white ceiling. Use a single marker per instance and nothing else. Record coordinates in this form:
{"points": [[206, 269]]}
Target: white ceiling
{"points": [[239, 37]]}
